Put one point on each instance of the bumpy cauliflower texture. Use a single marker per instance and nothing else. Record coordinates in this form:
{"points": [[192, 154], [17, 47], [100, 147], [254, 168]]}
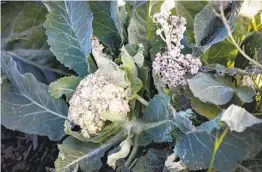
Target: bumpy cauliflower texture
{"points": [[172, 67], [95, 95]]}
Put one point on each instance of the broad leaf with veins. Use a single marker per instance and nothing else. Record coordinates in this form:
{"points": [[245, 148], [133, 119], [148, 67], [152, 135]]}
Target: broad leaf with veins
{"points": [[75, 154], [23, 37], [106, 24], [195, 148], [157, 117], [207, 89], [27, 105], [69, 30]]}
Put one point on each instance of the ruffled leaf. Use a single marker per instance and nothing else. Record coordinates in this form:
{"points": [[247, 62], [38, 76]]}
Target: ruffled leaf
{"points": [[64, 86], [153, 160], [86, 157], [107, 131]]}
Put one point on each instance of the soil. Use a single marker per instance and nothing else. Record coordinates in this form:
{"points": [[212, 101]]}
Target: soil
{"points": [[26, 153]]}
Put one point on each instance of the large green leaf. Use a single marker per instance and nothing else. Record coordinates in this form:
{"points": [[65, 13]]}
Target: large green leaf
{"points": [[40, 67], [157, 119], [106, 24], [141, 28], [23, 36], [75, 154], [188, 10], [69, 30], [207, 89], [64, 86], [27, 105], [152, 161], [209, 28], [43, 60], [195, 148], [225, 52], [22, 25]]}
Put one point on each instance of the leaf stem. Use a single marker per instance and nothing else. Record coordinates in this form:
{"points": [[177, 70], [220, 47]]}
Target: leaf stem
{"points": [[222, 16], [142, 100], [257, 114], [218, 142], [254, 25], [134, 152]]}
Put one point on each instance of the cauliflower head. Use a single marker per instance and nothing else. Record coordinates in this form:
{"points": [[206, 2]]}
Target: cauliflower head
{"points": [[95, 95]]}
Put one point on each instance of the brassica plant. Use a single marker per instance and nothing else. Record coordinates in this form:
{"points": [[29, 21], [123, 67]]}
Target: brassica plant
{"points": [[145, 86]]}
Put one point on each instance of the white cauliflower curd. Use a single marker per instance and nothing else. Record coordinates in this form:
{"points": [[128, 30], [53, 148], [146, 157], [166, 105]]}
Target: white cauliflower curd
{"points": [[95, 95]]}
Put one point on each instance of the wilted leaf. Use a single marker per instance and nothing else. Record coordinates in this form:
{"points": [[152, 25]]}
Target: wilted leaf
{"points": [[207, 89], [129, 65], [250, 8], [207, 110], [64, 86], [188, 10], [183, 122], [173, 165], [85, 156], [125, 147], [131, 71], [108, 130], [157, 118], [245, 93], [152, 161], [139, 57], [106, 24], [238, 119], [27, 105], [136, 51], [112, 70], [69, 30]]}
